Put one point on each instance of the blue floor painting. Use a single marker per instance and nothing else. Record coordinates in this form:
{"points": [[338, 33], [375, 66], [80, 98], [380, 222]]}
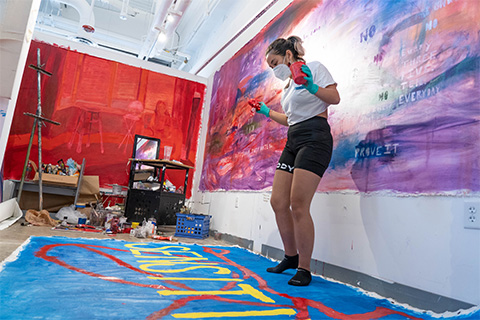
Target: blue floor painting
{"points": [[67, 278]]}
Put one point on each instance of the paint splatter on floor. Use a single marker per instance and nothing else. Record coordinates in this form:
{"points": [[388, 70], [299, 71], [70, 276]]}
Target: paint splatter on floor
{"points": [[64, 278]]}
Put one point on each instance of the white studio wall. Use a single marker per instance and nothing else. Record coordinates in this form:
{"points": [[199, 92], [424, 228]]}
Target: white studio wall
{"points": [[233, 33], [380, 236], [17, 21]]}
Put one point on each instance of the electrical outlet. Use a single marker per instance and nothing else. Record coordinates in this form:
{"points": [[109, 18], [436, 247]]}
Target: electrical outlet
{"points": [[205, 198], [266, 197], [237, 200], [471, 215]]}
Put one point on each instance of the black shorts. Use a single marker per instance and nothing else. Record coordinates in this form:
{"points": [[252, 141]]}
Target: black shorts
{"points": [[309, 146]]}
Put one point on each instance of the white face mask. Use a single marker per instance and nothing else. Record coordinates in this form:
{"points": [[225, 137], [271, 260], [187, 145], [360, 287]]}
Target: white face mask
{"points": [[282, 71]]}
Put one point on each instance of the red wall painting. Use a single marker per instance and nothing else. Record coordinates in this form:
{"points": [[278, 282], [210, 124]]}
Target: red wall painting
{"points": [[101, 105]]}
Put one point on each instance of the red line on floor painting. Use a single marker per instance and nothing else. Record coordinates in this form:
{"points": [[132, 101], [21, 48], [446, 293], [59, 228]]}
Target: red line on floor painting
{"points": [[300, 304], [42, 253]]}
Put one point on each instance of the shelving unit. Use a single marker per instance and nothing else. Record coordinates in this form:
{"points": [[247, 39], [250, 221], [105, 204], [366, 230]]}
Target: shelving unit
{"points": [[52, 187], [159, 204]]}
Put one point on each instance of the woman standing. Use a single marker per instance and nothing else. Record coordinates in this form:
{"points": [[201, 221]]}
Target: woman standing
{"points": [[306, 155]]}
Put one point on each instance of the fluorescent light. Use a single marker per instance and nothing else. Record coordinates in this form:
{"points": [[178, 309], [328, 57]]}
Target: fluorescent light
{"points": [[123, 12], [162, 37]]}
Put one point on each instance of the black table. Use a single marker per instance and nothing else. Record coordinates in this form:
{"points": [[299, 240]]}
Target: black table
{"points": [[159, 204]]}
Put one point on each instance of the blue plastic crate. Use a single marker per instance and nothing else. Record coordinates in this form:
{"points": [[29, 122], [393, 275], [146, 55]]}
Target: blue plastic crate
{"points": [[192, 226]]}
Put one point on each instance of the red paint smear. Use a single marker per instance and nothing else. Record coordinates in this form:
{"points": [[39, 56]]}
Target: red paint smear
{"points": [[229, 286], [244, 82]]}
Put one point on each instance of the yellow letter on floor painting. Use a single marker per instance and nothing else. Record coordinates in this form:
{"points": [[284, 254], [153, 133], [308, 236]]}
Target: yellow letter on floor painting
{"points": [[137, 248], [195, 279], [147, 267], [246, 289], [233, 314]]}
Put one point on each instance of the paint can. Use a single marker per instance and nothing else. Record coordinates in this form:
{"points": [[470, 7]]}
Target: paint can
{"points": [[297, 73]]}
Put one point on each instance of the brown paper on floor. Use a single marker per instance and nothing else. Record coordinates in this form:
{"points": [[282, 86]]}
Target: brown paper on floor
{"points": [[40, 218]]}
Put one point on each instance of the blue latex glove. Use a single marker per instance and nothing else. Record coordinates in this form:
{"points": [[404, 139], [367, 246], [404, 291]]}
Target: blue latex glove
{"points": [[309, 85], [264, 109]]}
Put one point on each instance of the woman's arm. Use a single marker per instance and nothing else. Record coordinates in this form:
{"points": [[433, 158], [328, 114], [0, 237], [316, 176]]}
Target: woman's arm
{"points": [[279, 117], [274, 115], [329, 94]]}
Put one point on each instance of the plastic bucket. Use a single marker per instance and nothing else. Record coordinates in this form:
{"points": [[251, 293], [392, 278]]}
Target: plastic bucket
{"points": [[297, 73]]}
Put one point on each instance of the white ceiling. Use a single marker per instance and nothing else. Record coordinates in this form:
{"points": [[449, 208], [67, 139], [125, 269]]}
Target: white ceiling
{"points": [[198, 31]]}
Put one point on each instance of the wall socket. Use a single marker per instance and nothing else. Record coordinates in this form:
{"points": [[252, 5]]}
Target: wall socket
{"points": [[471, 215], [205, 198], [237, 201]]}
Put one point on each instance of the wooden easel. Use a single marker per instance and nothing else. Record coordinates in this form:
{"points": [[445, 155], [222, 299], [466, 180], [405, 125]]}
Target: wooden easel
{"points": [[38, 122]]}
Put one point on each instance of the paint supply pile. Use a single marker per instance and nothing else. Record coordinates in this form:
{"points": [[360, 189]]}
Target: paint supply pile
{"points": [[95, 218], [154, 185], [72, 168], [146, 230], [111, 220], [70, 214]]}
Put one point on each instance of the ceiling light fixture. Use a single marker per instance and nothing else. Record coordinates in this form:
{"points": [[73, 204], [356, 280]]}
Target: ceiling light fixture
{"points": [[123, 12], [162, 36]]}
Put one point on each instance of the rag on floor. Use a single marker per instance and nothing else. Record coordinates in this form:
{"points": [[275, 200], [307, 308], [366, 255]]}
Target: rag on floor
{"points": [[40, 218]]}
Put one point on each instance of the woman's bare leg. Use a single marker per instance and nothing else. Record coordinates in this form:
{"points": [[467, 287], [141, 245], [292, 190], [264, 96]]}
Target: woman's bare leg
{"points": [[280, 202], [304, 185]]}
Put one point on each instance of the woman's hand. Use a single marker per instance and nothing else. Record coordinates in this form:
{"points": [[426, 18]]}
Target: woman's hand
{"points": [[275, 116], [263, 109], [309, 85], [329, 94]]}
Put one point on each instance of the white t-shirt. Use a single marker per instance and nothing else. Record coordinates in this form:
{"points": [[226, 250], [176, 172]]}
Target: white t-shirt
{"points": [[299, 104]]}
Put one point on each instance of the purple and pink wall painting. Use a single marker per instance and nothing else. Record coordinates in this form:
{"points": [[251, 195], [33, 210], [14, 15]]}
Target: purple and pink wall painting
{"points": [[408, 77]]}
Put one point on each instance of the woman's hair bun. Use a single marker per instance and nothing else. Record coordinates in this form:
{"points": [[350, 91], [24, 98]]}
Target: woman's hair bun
{"points": [[297, 45], [281, 45]]}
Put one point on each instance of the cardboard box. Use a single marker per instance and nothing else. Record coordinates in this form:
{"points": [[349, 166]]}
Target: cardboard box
{"points": [[57, 179], [52, 202], [89, 188]]}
